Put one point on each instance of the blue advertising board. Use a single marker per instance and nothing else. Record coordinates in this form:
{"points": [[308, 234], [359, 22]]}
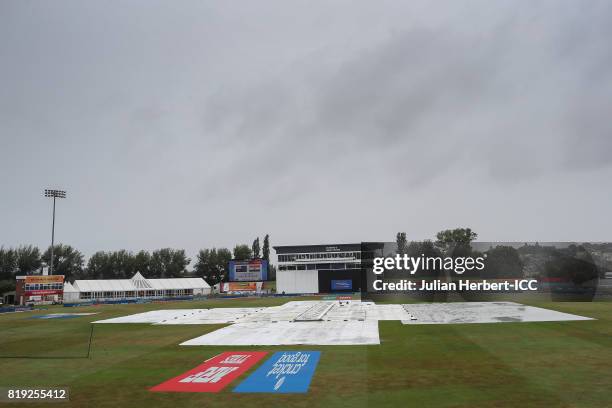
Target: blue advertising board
{"points": [[61, 315], [343, 284], [284, 372]]}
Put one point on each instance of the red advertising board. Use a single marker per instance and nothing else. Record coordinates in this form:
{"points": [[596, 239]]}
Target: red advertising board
{"points": [[214, 374], [42, 279], [40, 285], [43, 292]]}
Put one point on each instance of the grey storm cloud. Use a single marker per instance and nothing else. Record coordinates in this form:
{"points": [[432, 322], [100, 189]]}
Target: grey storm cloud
{"points": [[199, 124]]}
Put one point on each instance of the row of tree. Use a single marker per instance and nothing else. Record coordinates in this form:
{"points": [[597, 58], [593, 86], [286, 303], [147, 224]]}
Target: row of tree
{"points": [[211, 264], [573, 263], [458, 239], [244, 252], [20, 261], [500, 261]]}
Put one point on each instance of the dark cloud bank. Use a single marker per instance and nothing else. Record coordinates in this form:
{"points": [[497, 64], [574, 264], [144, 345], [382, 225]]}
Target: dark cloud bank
{"points": [[205, 124]]}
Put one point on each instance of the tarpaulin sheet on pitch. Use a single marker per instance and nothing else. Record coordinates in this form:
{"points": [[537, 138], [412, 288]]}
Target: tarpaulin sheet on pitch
{"points": [[214, 374], [291, 333], [483, 312], [284, 372]]}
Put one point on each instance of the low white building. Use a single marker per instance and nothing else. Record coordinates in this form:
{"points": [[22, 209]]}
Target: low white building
{"points": [[138, 287]]}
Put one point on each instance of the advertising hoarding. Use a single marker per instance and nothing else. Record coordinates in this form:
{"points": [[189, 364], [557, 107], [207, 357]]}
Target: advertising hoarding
{"points": [[39, 285], [241, 287], [214, 374], [284, 372]]}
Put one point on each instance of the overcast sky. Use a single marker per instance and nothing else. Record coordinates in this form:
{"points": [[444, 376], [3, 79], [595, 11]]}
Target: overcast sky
{"points": [[198, 124]]}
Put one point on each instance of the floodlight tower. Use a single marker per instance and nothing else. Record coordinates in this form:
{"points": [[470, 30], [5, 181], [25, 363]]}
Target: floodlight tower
{"points": [[54, 194]]}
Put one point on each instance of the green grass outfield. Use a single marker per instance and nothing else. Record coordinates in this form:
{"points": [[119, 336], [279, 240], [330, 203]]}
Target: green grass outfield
{"points": [[556, 364]]}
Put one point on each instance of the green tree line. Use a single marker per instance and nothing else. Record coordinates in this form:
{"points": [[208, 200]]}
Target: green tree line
{"points": [[210, 264], [574, 263]]}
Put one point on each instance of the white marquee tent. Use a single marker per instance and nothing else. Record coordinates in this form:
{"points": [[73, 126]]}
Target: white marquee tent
{"points": [[138, 287]]}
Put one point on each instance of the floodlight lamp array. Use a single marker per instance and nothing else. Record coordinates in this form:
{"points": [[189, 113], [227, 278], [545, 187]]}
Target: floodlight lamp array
{"points": [[55, 193]]}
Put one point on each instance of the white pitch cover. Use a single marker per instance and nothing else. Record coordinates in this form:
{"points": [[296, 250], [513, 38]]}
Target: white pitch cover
{"points": [[483, 312], [291, 333], [337, 322]]}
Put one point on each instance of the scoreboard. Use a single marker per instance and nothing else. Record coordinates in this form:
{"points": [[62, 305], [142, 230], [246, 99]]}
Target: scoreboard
{"points": [[248, 271]]}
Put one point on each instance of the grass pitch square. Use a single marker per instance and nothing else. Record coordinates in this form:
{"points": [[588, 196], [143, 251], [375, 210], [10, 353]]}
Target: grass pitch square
{"points": [[536, 364]]}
